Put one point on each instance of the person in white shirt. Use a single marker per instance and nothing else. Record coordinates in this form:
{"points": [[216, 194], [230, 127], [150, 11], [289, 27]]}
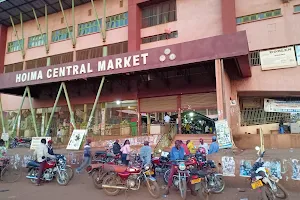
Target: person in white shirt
{"points": [[41, 154], [59, 134], [203, 145], [167, 118]]}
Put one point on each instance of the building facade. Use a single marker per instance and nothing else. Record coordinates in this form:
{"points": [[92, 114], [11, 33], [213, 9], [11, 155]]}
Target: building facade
{"points": [[171, 56]]}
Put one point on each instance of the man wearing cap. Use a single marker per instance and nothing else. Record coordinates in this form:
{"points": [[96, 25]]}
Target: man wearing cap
{"points": [[203, 145], [214, 146]]}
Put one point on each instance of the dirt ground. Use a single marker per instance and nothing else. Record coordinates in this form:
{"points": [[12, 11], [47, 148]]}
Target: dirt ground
{"points": [[81, 187]]}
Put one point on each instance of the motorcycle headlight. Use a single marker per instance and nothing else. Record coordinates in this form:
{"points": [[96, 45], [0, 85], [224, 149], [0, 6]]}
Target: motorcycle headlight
{"points": [[147, 167], [181, 166]]}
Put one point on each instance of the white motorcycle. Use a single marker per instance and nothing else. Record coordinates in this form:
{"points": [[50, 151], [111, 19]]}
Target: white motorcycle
{"points": [[261, 177]]}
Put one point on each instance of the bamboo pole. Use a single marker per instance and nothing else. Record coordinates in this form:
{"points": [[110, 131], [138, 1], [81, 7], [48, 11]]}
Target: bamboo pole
{"points": [[32, 111], [69, 105], [95, 103], [16, 33], [54, 107]]}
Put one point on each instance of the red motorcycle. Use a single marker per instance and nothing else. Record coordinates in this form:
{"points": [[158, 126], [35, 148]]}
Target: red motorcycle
{"points": [[161, 164], [129, 178]]}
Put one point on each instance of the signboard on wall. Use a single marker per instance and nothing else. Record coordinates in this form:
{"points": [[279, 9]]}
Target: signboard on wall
{"points": [[76, 139], [297, 48], [278, 58], [35, 141], [223, 134], [273, 105]]}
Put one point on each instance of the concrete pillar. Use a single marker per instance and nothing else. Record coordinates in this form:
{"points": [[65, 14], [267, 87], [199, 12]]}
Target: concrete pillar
{"points": [[85, 114], [139, 122], [223, 90], [228, 16], [179, 114], [148, 123], [103, 117], [219, 88], [3, 37]]}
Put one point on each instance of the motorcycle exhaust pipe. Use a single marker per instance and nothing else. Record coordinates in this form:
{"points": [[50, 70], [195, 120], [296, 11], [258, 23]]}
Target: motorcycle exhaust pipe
{"points": [[115, 187], [31, 177]]}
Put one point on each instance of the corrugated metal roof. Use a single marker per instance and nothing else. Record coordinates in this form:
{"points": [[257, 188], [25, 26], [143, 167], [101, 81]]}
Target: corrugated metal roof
{"points": [[15, 7]]}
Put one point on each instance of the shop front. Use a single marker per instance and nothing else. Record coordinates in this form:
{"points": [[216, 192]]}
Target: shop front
{"points": [[128, 94]]}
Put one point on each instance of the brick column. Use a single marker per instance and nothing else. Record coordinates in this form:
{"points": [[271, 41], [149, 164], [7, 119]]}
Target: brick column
{"points": [[3, 36], [228, 16]]}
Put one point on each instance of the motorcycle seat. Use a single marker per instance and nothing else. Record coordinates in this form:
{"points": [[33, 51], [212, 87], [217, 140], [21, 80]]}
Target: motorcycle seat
{"points": [[33, 163], [200, 173], [100, 152]]}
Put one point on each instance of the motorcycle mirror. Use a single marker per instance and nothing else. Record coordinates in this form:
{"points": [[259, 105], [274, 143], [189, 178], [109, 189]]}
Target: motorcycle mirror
{"points": [[257, 148]]}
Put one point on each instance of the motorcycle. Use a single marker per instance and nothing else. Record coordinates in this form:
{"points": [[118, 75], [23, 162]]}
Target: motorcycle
{"points": [[261, 177], [107, 157], [22, 142], [129, 178], [215, 182], [179, 178], [53, 169], [161, 164]]}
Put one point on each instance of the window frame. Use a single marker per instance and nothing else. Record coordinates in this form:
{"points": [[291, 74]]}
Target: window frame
{"points": [[88, 26], [296, 6], [17, 43], [156, 12], [259, 16], [122, 16], [159, 37], [69, 36], [43, 41]]}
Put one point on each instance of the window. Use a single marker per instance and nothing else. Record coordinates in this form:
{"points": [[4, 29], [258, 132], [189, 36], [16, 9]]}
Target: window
{"points": [[254, 58], [61, 58], [258, 16], [117, 48], [15, 46], [41, 62], [61, 34], [159, 14], [89, 27], [36, 41], [296, 8], [117, 21], [85, 54], [159, 37], [13, 67]]}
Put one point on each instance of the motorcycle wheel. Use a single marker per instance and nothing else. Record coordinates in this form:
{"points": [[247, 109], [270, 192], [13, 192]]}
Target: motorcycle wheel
{"points": [[202, 192], [70, 172], [219, 184], [97, 179], [33, 173], [111, 180], [153, 189], [62, 178], [182, 188], [270, 195], [166, 176]]}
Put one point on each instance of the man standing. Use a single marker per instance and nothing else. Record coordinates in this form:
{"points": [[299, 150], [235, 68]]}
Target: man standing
{"points": [[116, 147], [50, 147], [86, 156], [214, 146], [58, 136], [203, 145], [177, 153], [145, 153], [41, 154], [167, 118]]}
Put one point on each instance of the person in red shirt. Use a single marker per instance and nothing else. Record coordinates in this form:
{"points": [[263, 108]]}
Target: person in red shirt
{"points": [[186, 150]]}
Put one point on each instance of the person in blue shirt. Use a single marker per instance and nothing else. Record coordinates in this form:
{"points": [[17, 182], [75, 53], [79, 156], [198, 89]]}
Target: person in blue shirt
{"points": [[87, 156], [214, 146], [145, 153], [177, 153]]}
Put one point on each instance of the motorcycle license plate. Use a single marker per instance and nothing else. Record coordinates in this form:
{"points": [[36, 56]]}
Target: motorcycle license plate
{"points": [[256, 184], [198, 180], [149, 173]]}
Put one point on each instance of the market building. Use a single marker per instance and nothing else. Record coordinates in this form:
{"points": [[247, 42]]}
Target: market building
{"points": [[235, 60]]}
